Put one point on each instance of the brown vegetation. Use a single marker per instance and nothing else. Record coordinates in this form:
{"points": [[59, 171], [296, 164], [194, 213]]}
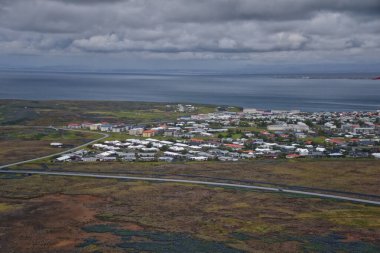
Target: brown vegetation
{"points": [[360, 176], [53, 212]]}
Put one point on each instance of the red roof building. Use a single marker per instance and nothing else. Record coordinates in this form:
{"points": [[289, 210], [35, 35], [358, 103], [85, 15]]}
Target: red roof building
{"points": [[234, 146], [291, 156]]}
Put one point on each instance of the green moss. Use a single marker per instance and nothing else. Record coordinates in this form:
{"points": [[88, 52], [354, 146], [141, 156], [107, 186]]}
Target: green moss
{"points": [[4, 207], [353, 216], [160, 242], [258, 227]]}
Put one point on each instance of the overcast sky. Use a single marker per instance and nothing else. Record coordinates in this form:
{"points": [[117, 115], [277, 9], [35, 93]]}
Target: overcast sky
{"points": [[210, 34]]}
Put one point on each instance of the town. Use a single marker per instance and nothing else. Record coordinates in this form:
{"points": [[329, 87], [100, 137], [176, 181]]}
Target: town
{"points": [[227, 135]]}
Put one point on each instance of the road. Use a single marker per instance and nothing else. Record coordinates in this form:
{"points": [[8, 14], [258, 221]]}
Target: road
{"points": [[182, 181], [104, 135]]}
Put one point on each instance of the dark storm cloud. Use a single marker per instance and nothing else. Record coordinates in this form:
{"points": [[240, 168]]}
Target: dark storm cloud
{"points": [[224, 10], [228, 29], [80, 2]]}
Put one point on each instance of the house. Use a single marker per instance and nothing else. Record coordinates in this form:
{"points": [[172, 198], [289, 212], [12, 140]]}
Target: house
{"points": [[56, 144], [86, 125], [149, 149], [227, 158], [300, 135], [147, 159], [105, 127], [279, 127], [63, 158], [302, 151], [364, 130], [118, 129], [172, 154], [337, 141], [169, 133], [176, 148], [105, 154], [89, 159], [247, 156], [165, 159], [74, 126], [108, 159], [320, 149], [136, 131], [95, 127], [316, 154], [166, 142], [336, 154], [152, 140], [292, 156], [205, 154], [146, 154], [196, 141], [148, 133], [199, 158], [234, 146], [129, 159]]}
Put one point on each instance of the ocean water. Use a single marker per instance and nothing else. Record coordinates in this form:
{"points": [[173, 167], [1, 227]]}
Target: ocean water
{"points": [[255, 91]]}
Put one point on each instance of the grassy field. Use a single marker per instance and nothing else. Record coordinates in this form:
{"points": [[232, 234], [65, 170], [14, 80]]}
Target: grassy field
{"points": [[358, 176], [58, 113], [60, 214], [23, 143]]}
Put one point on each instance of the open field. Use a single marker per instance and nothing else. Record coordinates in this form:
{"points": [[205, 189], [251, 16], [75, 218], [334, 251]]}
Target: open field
{"points": [[61, 214], [23, 143], [58, 113], [358, 176]]}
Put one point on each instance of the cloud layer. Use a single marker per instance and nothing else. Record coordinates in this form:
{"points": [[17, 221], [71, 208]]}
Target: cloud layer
{"points": [[254, 30]]}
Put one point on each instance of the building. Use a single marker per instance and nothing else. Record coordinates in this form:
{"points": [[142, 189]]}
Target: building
{"points": [[56, 144], [165, 159], [148, 133], [74, 126], [86, 125], [198, 158], [249, 110], [136, 131], [63, 158], [234, 146], [95, 127], [105, 127], [89, 159], [364, 130], [281, 127]]}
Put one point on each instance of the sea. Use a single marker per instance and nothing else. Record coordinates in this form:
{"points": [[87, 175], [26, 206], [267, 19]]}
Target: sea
{"points": [[305, 92]]}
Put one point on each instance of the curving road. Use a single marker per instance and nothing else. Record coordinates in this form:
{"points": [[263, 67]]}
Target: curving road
{"points": [[252, 187], [104, 135], [153, 179]]}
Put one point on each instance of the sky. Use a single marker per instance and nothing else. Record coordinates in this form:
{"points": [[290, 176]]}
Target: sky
{"points": [[217, 35]]}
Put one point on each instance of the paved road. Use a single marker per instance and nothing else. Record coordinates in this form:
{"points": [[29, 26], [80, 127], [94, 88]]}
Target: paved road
{"points": [[253, 187], [104, 135]]}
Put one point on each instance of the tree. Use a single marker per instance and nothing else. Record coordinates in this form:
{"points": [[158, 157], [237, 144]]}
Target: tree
{"points": [[309, 123], [243, 124]]}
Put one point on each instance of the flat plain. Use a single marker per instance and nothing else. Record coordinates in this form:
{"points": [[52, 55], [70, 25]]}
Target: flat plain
{"points": [[24, 143], [71, 214]]}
